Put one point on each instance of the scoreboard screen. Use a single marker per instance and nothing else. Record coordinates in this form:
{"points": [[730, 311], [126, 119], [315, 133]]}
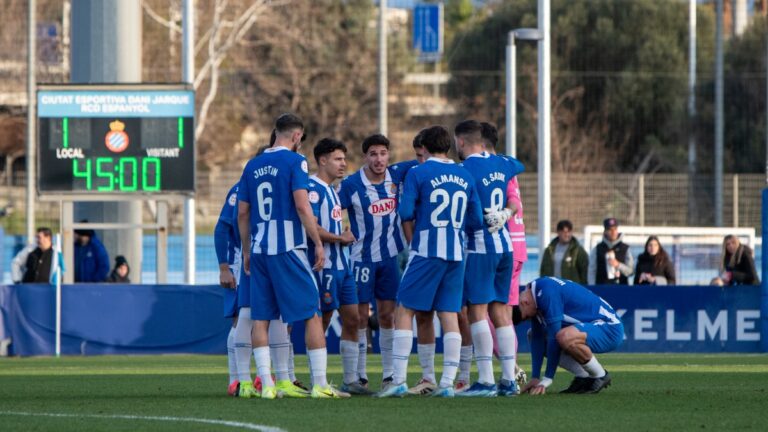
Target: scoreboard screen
{"points": [[115, 140]]}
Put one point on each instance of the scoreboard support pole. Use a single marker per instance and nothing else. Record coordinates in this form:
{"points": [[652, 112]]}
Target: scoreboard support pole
{"points": [[764, 282]]}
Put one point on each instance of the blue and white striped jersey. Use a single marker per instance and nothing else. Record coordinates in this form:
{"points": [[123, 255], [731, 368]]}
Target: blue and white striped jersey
{"points": [[441, 197], [327, 208], [491, 173], [267, 184], [226, 235], [372, 210]]}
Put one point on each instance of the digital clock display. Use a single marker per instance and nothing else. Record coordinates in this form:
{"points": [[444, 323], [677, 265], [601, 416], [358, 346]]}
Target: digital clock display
{"points": [[106, 141]]}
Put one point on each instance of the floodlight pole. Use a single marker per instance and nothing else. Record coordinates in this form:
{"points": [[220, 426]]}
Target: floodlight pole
{"points": [[511, 96], [383, 126], [31, 125], [188, 70], [719, 121], [527, 34], [544, 102]]}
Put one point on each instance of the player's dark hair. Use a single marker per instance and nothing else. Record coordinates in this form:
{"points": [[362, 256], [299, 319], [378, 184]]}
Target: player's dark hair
{"points": [[272, 138], [490, 134], [417, 140], [469, 130], [327, 146], [45, 231], [375, 139], [287, 122], [564, 224], [436, 140]]}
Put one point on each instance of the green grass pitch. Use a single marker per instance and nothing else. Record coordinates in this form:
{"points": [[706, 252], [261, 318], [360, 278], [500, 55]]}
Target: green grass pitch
{"points": [[128, 393]]}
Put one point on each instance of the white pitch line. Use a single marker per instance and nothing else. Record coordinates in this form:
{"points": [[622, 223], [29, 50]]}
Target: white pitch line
{"points": [[248, 426]]}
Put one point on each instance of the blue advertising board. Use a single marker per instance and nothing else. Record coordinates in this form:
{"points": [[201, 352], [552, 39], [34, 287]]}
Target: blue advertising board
{"points": [[153, 319], [428, 31]]}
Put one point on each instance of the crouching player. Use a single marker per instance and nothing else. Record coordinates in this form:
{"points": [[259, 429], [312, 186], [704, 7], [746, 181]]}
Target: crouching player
{"points": [[336, 281], [439, 200], [569, 318]]}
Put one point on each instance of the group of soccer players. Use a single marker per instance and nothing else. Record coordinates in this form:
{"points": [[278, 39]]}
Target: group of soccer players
{"points": [[281, 243]]}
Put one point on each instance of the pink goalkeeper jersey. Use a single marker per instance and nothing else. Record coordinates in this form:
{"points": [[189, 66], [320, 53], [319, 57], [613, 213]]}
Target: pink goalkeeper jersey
{"points": [[516, 225]]}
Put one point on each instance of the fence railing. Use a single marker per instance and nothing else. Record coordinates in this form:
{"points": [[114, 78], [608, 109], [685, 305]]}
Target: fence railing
{"points": [[584, 199]]}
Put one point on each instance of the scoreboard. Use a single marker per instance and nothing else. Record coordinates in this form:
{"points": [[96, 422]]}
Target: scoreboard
{"points": [[115, 139]]}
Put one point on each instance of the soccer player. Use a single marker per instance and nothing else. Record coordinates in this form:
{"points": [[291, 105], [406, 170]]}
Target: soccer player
{"points": [[489, 262], [337, 284], [438, 203], [425, 326], [282, 283], [516, 226], [227, 246], [569, 318], [370, 198]]}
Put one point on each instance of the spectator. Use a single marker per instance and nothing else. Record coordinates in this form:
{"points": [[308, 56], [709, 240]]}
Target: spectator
{"points": [[35, 263], [737, 265], [610, 262], [654, 266], [120, 273], [91, 258], [564, 257]]}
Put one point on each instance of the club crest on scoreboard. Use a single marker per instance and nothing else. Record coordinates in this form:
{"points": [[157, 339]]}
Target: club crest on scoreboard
{"points": [[116, 139]]}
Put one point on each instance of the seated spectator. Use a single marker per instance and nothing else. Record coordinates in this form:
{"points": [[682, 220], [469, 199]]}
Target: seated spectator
{"points": [[610, 262], [737, 265], [654, 266], [120, 273], [564, 257], [91, 258], [34, 263]]}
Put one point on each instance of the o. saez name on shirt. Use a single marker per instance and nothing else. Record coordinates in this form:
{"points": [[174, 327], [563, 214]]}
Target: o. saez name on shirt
{"points": [[494, 177], [448, 178], [267, 170]]}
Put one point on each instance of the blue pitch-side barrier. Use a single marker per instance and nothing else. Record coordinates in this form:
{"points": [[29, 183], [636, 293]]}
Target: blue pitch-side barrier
{"points": [[152, 319]]}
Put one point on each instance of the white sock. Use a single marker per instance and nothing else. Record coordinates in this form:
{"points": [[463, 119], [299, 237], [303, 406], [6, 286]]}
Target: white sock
{"points": [[386, 336], [362, 353], [451, 358], [349, 354], [242, 345], [571, 365], [231, 359], [507, 341], [466, 363], [261, 355], [279, 349], [594, 368], [401, 350], [427, 361], [291, 362], [318, 361], [483, 341]]}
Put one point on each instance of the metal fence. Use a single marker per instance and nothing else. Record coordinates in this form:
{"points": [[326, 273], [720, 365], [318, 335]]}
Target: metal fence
{"points": [[584, 199]]}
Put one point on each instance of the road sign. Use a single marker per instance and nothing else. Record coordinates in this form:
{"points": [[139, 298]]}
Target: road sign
{"points": [[428, 31]]}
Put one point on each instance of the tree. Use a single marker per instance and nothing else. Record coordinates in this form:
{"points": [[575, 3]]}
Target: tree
{"points": [[619, 74]]}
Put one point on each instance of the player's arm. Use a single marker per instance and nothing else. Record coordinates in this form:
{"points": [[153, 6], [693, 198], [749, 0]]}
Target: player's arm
{"points": [[243, 219], [406, 209], [244, 225], [538, 349], [309, 221], [221, 243]]}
